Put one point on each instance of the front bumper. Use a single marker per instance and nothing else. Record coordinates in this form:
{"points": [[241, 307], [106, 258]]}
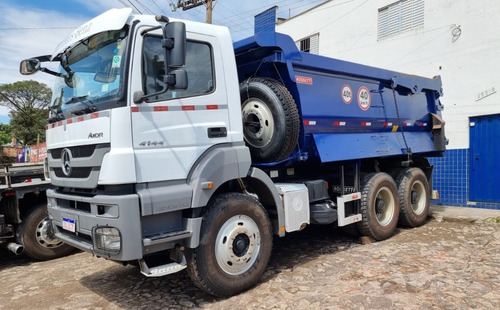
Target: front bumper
{"points": [[82, 216]]}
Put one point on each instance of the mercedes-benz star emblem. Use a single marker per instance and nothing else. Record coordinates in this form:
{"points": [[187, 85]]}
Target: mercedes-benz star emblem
{"points": [[66, 161]]}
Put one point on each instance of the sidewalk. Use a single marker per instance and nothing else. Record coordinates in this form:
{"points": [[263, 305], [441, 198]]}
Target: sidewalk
{"points": [[463, 213]]}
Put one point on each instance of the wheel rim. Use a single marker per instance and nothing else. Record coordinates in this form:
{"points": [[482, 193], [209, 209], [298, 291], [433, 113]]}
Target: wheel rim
{"points": [[237, 245], [384, 206], [418, 197], [258, 123], [42, 235]]}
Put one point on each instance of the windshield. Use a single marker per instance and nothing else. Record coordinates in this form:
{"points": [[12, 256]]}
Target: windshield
{"points": [[91, 75]]}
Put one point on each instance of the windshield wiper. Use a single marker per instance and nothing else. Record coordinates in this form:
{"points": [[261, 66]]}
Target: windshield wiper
{"points": [[89, 105], [76, 99], [88, 109], [58, 116]]}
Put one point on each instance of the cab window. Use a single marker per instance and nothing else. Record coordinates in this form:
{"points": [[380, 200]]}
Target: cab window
{"points": [[199, 68]]}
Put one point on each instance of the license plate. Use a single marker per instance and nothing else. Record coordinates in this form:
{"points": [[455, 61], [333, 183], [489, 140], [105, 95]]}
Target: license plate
{"points": [[68, 224]]}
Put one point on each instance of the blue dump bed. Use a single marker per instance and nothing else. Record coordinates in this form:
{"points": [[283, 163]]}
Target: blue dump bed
{"points": [[348, 111]]}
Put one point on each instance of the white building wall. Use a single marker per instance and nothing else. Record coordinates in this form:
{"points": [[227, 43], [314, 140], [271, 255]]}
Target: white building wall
{"points": [[469, 64]]}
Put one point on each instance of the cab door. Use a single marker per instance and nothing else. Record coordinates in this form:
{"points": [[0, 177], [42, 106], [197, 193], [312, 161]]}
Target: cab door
{"points": [[172, 130]]}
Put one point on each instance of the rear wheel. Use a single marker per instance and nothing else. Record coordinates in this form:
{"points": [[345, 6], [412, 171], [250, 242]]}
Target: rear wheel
{"points": [[414, 197], [235, 246], [379, 206], [34, 235]]}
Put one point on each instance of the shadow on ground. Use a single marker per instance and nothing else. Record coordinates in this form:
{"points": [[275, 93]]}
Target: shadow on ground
{"points": [[128, 288]]}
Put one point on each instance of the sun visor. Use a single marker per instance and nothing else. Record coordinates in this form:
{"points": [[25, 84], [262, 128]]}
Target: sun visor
{"points": [[113, 19]]}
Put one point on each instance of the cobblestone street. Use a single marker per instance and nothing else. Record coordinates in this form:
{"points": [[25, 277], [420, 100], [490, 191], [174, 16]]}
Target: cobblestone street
{"points": [[445, 264]]}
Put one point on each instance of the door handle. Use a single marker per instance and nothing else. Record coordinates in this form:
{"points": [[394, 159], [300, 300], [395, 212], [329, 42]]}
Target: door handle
{"points": [[217, 132]]}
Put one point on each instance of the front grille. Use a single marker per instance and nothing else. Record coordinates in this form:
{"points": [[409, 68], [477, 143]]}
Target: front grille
{"points": [[74, 205], [80, 172], [76, 151], [83, 164], [83, 206]]}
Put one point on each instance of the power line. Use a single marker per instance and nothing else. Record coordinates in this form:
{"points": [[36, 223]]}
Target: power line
{"points": [[235, 20], [146, 8], [391, 39], [231, 19], [134, 8], [342, 16], [161, 10], [251, 13]]}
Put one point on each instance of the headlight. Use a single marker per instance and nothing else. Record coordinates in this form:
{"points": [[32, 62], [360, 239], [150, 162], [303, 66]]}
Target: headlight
{"points": [[107, 239]]}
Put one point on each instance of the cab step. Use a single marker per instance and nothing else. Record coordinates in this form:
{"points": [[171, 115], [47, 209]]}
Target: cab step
{"points": [[162, 270]]}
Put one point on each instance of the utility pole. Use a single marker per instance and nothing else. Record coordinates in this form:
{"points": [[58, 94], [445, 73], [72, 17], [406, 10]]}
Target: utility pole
{"points": [[209, 11], [189, 4]]}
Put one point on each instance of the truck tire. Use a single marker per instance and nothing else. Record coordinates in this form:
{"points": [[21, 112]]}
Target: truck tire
{"points": [[414, 197], [32, 234], [271, 123], [235, 245], [379, 206]]}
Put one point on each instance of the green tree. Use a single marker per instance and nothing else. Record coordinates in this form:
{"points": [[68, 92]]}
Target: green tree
{"points": [[5, 134], [29, 102]]}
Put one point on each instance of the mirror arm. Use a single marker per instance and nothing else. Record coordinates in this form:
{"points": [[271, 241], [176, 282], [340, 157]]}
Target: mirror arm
{"points": [[43, 58], [149, 30], [45, 70], [139, 96]]}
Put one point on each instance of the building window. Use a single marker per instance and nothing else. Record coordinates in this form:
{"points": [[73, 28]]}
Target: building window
{"points": [[305, 45], [399, 17], [309, 44]]}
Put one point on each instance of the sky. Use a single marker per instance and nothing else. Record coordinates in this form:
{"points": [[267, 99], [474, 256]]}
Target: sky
{"points": [[31, 28]]}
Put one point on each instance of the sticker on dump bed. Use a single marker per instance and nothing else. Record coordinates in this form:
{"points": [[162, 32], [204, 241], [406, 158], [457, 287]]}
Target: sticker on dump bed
{"points": [[347, 93], [303, 80], [364, 98]]}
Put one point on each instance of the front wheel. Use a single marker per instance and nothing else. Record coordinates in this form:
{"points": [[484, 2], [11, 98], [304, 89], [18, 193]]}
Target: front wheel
{"points": [[379, 206], [235, 246], [34, 235]]}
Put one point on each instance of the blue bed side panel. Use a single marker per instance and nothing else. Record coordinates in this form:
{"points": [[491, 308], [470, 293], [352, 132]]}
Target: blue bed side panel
{"points": [[347, 146], [351, 111]]}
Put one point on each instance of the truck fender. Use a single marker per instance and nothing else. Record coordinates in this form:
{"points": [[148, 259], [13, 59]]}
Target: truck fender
{"points": [[268, 195], [217, 166]]}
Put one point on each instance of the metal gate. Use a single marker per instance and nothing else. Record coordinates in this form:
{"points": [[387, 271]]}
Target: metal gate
{"points": [[484, 158]]}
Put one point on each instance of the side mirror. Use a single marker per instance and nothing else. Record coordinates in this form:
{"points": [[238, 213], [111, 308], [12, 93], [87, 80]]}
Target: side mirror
{"points": [[177, 79], [29, 66], [174, 42]]}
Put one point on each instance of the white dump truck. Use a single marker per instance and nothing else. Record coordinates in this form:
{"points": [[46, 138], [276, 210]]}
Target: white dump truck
{"points": [[166, 139]]}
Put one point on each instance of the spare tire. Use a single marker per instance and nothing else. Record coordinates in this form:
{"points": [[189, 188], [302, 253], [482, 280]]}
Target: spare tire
{"points": [[271, 123]]}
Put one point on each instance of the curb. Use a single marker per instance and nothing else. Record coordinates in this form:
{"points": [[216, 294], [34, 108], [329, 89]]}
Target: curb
{"points": [[471, 215]]}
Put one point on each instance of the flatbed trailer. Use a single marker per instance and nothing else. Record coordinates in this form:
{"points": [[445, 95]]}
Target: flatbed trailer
{"points": [[23, 209]]}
